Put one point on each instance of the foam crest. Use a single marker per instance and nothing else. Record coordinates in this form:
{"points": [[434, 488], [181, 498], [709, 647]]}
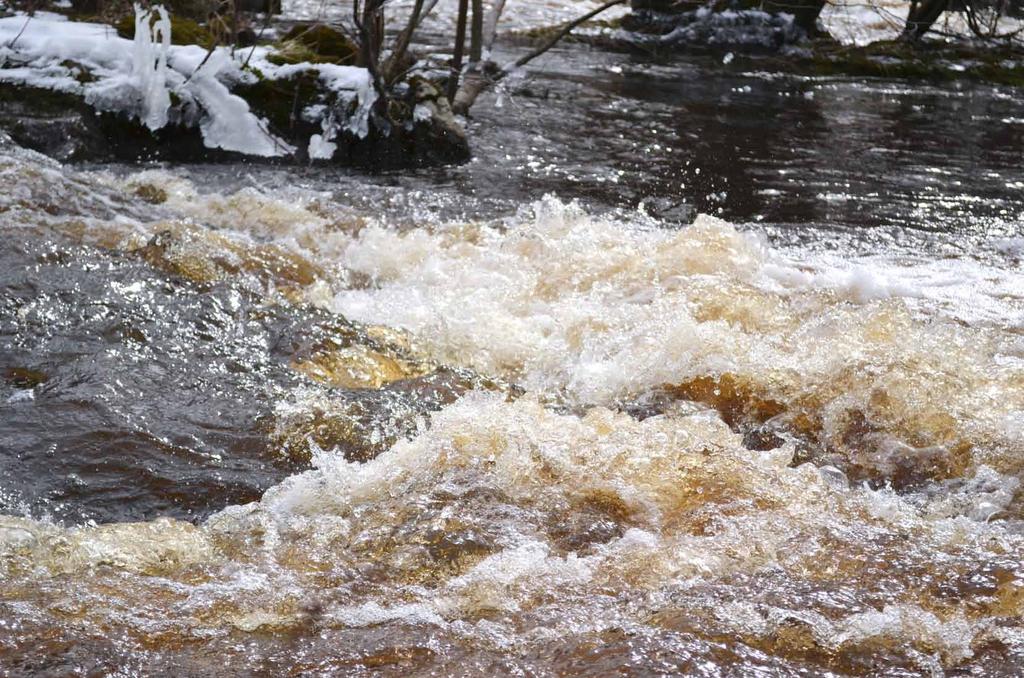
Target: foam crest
{"points": [[506, 523], [598, 311]]}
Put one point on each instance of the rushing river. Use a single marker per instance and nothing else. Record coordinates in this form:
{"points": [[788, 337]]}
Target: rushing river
{"points": [[690, 370]]}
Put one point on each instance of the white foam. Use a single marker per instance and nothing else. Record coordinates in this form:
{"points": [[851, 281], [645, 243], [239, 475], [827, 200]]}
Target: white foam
{"points": [[599, 310]]}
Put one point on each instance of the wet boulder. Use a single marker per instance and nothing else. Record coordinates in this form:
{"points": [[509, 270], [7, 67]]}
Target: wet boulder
{"points": [[414, 127], [64, 127]]}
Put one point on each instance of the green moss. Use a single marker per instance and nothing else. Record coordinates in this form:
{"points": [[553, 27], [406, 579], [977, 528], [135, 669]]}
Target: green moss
{"points": [[81, 73], [293, 52], [183, 31], [316, 44], [613, 24], [935, 62], [279, 101]]}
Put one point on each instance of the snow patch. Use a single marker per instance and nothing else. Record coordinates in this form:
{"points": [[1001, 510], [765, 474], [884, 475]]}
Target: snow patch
{"points": [[139, 77]]}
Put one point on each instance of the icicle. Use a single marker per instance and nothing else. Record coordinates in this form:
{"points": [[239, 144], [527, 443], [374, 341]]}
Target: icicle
{"points": [[228, 123], [322, 146], [149, 65], [359, 123]]}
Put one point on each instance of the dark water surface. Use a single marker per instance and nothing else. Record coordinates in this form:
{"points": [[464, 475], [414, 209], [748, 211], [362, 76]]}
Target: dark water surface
{"points": [[693, 136]]}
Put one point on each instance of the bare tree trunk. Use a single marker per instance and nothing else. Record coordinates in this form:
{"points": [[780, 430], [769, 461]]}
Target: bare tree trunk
{"points": [[472, 87], [476, 33], [460, 46], [805, 12], [369, 21], [474, 82], [921, 18], [372, 32], [491, 27]]}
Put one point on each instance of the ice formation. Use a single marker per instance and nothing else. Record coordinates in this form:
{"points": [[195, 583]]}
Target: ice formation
{"points": [[139, 76]]}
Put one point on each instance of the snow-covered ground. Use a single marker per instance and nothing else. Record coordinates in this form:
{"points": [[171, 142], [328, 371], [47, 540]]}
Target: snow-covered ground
{"points": [[859, 22]]}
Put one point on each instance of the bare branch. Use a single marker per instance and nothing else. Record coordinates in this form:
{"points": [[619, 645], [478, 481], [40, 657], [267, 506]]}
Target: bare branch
{"points": [[398, 53], [477, 80], [266, 24], [568, 28], [426, 12], [10, 45]]}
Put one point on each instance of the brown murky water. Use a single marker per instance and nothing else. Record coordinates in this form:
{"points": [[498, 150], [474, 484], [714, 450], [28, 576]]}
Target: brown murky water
{"points": [[263, 421]]}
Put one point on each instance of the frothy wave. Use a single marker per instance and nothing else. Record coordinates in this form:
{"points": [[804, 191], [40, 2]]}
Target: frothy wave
{"points": [[725, 453]]}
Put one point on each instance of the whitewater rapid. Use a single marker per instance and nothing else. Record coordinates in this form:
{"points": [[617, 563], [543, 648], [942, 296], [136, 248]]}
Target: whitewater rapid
{"points": [[685, 448]]}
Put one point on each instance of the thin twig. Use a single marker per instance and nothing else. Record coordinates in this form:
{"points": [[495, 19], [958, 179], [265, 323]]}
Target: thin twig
{"points": [[11, 45], [568, 28], [209, 53], [259, 36]]}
